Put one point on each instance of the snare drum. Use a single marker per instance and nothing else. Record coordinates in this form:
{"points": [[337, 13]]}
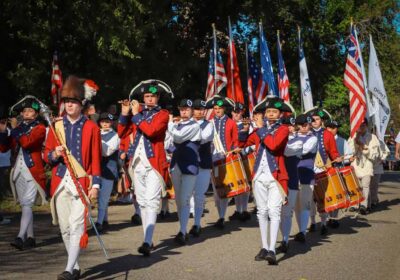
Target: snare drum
{"points": [[229, 177], [330, 192], [353, 186], [248, 164]]}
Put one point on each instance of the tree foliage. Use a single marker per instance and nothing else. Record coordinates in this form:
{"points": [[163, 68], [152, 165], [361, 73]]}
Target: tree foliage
{"points": [[119, 43]]}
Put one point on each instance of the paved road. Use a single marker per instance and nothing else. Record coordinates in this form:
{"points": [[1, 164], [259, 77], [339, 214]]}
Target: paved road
{"points": [[365, 247]]}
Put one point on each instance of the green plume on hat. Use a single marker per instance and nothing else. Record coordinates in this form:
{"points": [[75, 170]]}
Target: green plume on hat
{"points": [[35, 106], [278, 104], [153, 89], [321, 113], [220, 103]]}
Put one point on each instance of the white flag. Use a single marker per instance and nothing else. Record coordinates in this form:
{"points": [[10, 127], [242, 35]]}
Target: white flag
{"points": [[306, 94], [378, 92]]}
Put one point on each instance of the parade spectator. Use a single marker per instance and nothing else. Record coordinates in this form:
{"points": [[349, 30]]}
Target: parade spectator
{"points": [[391, 159]]}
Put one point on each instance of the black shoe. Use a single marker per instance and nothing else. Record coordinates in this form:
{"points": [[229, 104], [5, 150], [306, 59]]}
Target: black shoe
{"points": [[77, 272], [145, 249], [283, 248], [363, 210], [18, 243], [206, 211], [220, 223], [99, 227], [231, 202], [235, 216], [374, 205], [136, 220], [66, 275], [312, 228], [195, 231], [333, 223], [255, 211], [106, 225], [181, 238], [30, 242], [300, 237], [271, 258], [191, 216], [324, 230], [163, 215], [245, 216], [262, 255]]}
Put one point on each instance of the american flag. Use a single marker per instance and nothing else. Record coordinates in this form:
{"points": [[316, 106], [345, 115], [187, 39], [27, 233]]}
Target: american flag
{"points": [[353, 80], [268, 82], [216, 75], [253, 77], [283, 80], [56, 79]]}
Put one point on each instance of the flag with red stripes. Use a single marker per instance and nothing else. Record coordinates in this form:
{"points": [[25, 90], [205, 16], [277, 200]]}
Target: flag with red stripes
{"points": [[353, 80], [56, 80], [283, 79], [253, 76]]}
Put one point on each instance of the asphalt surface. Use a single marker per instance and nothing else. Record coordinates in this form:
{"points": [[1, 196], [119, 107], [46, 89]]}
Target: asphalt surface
{"points": [[363, 247]]}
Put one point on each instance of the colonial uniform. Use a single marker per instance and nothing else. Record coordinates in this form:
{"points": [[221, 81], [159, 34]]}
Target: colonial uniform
{"points": [[205, 166], [378, 171], [269, 177], [28, 177], [184, 167], [69, 207], [225, 140], [148, 165], [109, 169]]}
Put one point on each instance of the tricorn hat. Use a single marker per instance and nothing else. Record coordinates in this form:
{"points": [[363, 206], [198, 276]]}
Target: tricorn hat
{"points": [[221, 101]]}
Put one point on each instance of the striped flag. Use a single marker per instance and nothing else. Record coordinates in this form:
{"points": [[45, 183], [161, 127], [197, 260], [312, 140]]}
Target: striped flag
{"points": [[56, 80], [283, 79], [253, 76], [353, 80]]}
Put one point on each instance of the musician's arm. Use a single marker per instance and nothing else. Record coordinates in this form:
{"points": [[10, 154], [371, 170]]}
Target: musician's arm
{"points": [[49, 150], [186, 133], [33, 139], [110, 147], [156, 127], [248, 140], [235, 136], [124, 127], [310, 146], [332, 150], [278, 140]]}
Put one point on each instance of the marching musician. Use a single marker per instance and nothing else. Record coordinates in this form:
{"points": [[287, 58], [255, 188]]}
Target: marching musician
{"points": [[269, 174], [77, 141], [148, 165], [205, 163], [109, 167], [304, 146], [186, 135], [241, 200], [28, 180], [366, 150], [225, 141], [327, 152], [346, 153]]}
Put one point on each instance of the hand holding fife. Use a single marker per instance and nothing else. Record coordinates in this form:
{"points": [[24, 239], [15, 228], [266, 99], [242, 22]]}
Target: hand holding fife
{"points": [[259, 121], [135, 106], [246, 124], [124, 107]]}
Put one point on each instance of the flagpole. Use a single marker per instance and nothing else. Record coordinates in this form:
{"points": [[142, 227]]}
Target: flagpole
{"points": [[215, 56], [301, 94], [277, 74], [231, 58], [247, 75]]}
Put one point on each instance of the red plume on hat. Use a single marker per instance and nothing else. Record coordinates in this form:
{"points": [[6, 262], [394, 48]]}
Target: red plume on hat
{"points": [[79, 89]]}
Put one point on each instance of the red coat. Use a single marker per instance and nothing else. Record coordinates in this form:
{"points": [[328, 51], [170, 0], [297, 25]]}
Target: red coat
{"points": [[276, 144], [31, 144], [330, 145], [154, 130], [90, 150], [229, 136]]}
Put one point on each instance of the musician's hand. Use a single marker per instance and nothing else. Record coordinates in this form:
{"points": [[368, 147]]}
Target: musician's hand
{"points": [[93, 193], [171, 118], [124, 107], [338, 159], [135, 107], [123, 156], [58, 151], [352, 158], [259, 121], [176, 119], [246, 124], [13, 122]]}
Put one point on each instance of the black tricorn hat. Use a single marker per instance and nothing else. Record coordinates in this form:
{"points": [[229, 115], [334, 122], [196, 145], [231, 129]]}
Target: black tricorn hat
{"points": [[151, 86], [221, 101], [199, 104]]}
